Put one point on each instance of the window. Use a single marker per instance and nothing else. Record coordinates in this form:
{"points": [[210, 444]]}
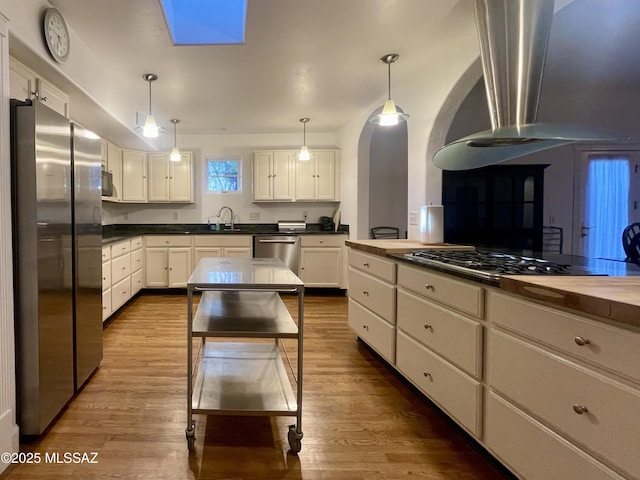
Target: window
{"points": [[223, 175]]}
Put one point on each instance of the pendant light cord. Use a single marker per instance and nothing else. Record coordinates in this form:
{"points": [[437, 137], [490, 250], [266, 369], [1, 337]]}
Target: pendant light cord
{"points": [[389, 65], [149, 97]]}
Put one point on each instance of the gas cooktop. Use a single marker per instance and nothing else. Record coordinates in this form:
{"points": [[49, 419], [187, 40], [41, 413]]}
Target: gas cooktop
{"points": [[490, 265]]}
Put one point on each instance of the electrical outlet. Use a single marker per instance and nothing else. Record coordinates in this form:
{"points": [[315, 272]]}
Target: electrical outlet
{"points": [[126, 216], [175, 215], [413, 218], [552, 220], [304, 214], [254, 216]]}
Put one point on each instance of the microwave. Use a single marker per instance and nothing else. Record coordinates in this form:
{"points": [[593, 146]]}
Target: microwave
{"points": [[107, 184]]}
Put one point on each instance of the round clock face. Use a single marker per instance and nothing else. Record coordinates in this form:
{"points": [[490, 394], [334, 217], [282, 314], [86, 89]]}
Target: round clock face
{"points": [[56, 35]]}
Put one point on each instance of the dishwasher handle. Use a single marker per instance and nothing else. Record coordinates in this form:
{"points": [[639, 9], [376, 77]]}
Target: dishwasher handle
{"points": [[277, 241]]}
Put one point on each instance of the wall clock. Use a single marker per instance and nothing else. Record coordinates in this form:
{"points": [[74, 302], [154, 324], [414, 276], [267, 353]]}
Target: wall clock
{"points": [[56, 35]]}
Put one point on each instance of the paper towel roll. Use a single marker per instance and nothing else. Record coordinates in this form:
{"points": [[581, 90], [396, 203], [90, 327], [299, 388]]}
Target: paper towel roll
{"points": [[431, 224]]}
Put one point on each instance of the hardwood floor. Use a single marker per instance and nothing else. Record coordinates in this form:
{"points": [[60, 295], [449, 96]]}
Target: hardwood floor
{"points": [[360, 421]]}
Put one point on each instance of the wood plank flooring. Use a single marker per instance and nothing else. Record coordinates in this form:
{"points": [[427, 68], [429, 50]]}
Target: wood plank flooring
{"points": [[360, 421]]}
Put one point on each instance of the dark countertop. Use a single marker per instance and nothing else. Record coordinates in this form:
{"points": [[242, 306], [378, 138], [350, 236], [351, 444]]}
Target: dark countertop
{"points": [[114, 233]]}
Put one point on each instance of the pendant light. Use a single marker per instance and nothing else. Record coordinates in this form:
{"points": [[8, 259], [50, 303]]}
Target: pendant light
{"points": [[175, 153], [390, 114], [150, 128], [304, 151]]}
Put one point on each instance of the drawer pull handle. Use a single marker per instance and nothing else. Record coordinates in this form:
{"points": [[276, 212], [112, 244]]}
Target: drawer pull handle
{"points": [[428, 327], [364, 292], [428, 286], [582, 341], [580, 409], [365, 264], [426, 374], [366, 327]]}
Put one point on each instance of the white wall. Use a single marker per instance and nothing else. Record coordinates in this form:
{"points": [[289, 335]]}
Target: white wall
{"points": [[206, 205]]}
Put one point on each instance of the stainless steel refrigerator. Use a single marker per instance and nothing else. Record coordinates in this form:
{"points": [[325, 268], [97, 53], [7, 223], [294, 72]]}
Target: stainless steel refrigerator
{"points": [[56, 195]]}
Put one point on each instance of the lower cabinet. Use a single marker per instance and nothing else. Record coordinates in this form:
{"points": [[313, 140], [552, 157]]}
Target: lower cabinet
{"points": [[373, 329], [321, 260], [168, 260], [229, 246], [122, 273]]}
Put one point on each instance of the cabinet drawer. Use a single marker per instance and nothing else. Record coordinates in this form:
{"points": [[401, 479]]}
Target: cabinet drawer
{"points": [[137, 280], [373, 330], [322, 240], [453, 336], [466, 297], [513, 436], [120, 293], [106, 253], [136, 260], [608, 347], [222, 240], [106, 304], [376, 295], [106, 275], [376, 266], [120, 248], [454, 391], [120, 268], [168, 240], [551, 387], [136, 243]]}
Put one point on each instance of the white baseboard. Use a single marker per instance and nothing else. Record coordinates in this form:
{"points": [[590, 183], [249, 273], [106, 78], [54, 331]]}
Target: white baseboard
{"points": [[9, 438]]}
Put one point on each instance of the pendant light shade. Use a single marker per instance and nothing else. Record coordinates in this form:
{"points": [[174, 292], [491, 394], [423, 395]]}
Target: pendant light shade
{"points": [[390, 114], [150, 128], [175, 153], [304, 151]]}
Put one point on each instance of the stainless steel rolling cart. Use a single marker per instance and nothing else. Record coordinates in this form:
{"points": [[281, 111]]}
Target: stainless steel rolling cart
{"points": [[240, 300]]}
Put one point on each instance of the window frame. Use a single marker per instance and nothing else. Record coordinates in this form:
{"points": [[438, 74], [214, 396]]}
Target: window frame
{"points": [[222, 158]]}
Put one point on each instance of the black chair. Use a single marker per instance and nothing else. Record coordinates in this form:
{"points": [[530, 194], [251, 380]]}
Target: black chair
{"points": [[631, 242], [385, 232]]}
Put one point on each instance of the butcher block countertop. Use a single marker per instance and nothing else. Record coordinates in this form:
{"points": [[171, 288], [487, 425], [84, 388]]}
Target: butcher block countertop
{"points": [[383, 247], [615, 298]]}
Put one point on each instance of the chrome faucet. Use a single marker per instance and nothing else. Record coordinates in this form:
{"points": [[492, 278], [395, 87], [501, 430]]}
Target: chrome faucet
{"points": [[230, 214]]}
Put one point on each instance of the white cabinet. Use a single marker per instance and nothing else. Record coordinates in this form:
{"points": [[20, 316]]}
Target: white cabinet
{"points": [[278, 175], [134, 176], [318, 178], [564, 378], [122, 270], [120, 274], [321, 260], [274, 175], [52, 97], [114, 166], [106, 282], [170, 181], [221, 245], [137, 265], [24, 84], [168, 261], [372, 302]]}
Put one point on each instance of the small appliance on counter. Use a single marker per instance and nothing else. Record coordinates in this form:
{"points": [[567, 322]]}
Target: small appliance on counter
{"points": [[292, 225], [327, 224]]}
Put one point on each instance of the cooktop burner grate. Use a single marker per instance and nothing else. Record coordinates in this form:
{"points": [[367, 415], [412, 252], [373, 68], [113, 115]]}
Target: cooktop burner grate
{"points": [[487, 264]]}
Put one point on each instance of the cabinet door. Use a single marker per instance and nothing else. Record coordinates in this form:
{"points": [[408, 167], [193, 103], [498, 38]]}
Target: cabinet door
{"points": [[325, 175], [180, 179], [106, 304], [321, 267], [21, 81], [283, 175], [52, 97], [114, 166], [157, 271], [158, 178], [262, 176], [305, 179], [203, 252], [134, 176], [179, 266]]}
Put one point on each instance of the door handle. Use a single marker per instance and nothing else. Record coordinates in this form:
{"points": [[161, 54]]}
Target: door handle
{"points": [[277, 241], [584, 230]]}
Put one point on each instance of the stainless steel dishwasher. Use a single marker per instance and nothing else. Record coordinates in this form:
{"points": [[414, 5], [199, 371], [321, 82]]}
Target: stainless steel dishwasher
{"points": [[285, 246]]}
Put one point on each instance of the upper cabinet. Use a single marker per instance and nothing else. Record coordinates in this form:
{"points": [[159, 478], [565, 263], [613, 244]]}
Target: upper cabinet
{"points": [[274, 175], [24, 84], [278, 175], [134, 176], [170, 181], [114, 166]]}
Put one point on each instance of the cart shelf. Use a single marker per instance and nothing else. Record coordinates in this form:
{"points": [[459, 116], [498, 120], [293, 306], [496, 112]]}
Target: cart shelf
{"points": [[243, 314], [242, 379]]}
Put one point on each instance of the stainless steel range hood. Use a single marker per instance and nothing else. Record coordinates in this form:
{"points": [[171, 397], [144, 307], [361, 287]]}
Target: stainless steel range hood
{"points": [[514, 35]]}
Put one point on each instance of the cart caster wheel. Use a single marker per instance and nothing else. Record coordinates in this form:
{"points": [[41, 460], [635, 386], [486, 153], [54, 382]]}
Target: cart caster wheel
{"points": [[191, 438], [295, 439]]}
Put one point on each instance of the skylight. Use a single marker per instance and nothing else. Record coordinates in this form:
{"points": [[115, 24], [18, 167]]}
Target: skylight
{"points": [[205, 22]]}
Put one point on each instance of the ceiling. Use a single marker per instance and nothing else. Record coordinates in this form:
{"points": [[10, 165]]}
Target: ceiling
{"points": [[301, 58]]}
